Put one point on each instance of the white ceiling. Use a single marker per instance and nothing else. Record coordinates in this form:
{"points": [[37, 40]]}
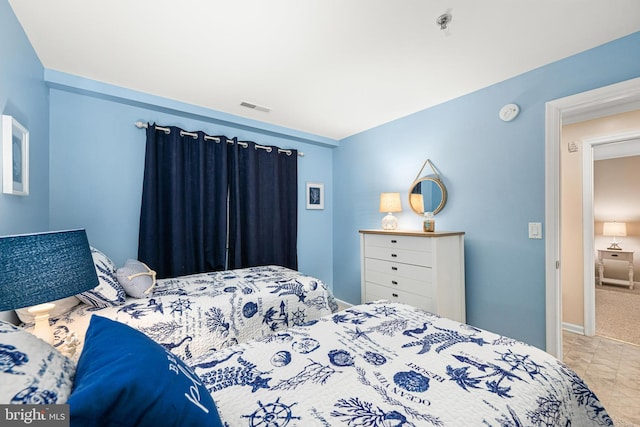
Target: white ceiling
{"points": [[327, 67]]}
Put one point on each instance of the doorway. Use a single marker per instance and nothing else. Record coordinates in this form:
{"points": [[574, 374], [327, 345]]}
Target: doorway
{"points": [[617, 98], [601, 148]]}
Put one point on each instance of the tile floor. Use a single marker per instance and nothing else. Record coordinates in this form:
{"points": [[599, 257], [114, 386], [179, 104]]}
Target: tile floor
{"points": [[611, 369]]}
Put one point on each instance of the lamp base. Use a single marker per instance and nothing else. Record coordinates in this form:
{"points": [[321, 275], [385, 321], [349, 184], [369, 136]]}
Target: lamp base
{"points": [[389, 222], [614, 247], [41, 314]]}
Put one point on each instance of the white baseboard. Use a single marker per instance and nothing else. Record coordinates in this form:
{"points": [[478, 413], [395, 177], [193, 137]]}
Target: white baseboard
{"points": [[577, 329]]}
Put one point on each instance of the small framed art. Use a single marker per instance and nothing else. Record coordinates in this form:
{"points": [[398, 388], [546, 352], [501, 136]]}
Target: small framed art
{"points": [[315, 195], [15, 157]]}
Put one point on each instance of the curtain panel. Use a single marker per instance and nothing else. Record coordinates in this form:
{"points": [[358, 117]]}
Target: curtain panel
{"points": [[263, 219], [202, 193]]}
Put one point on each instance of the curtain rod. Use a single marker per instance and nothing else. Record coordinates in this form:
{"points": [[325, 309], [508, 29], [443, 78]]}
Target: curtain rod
{"points": [[140, 125]]}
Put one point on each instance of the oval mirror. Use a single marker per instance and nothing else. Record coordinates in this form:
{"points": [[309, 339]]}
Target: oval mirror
{"points": [[427, 195]]}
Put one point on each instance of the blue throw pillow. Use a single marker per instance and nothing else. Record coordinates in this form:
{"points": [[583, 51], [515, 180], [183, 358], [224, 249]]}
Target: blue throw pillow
{"points": [[124, 378]]}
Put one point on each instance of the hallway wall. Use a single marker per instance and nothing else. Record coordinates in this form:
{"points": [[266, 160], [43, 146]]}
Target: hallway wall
{"points": [[571, 222]]}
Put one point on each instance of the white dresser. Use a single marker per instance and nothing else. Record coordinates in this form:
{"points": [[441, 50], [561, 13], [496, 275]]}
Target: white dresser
{"points": [[425, 270]]}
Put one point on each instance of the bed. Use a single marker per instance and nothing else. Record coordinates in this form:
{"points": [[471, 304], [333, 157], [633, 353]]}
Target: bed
{"points": [[195, 314], [376, 364], [385, 364]]}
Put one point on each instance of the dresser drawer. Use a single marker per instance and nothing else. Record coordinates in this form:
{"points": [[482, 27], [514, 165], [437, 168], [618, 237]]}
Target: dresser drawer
{"points": [[404, 277], [399, 255], [376, 292], [620, 256], [398, 242]]}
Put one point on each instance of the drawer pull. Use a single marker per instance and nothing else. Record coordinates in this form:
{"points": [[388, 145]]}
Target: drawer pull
{"points": [[394, 256], [394, 241], [394, 268], [394, 282], [394, 295], [614, 255]]}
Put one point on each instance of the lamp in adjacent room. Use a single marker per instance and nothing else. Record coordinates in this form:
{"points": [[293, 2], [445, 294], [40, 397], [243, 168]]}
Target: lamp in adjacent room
{"points": [[390, 203], [42, 267], [614, 229]]}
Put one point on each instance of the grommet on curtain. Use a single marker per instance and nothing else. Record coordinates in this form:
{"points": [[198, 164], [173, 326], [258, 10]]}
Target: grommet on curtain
{"points": [[212, 138], [140, 124], [191, 134]]}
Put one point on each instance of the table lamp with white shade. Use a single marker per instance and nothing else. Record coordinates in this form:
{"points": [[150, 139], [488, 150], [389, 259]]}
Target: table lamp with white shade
{"points": [[389, 203], [614, 229]]}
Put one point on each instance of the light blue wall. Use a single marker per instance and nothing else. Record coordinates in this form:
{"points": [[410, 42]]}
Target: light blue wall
{"points": [[24, 96], [97, 161], [494, 172]]}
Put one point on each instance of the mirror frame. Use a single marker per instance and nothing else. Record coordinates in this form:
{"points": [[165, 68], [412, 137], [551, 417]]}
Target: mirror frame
{"points": [[440, 185]]}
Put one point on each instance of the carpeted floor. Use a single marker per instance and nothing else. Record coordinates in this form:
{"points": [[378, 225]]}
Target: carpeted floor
{"points": [[618, 313], [623, 423]]}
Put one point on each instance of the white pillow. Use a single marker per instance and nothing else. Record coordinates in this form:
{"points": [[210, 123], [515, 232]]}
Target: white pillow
{"points": [[31, 370], [109, 292], [136, 278], [62, 306]]}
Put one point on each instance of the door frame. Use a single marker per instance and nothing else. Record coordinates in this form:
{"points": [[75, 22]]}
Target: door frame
{"points": [[589, 146], [616, 98]]}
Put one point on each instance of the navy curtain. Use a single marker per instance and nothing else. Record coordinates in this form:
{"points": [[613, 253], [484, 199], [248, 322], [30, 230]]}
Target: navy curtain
{"points": [[183, 219], [263, 200]]}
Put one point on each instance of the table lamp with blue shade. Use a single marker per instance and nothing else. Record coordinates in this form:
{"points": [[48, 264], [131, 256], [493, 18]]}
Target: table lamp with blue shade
{"points": [[36, 269]]}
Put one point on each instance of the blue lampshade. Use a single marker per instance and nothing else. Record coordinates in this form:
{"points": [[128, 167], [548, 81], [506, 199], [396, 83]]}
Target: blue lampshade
{"points": [[43, 267]]}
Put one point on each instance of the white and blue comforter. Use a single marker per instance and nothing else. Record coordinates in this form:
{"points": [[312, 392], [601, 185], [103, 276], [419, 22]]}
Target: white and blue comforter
{"points": [[195, 314], [388, 364]]}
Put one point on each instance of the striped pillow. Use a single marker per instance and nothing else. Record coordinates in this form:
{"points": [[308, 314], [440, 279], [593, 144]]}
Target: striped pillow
{"points": [[109, 292]]}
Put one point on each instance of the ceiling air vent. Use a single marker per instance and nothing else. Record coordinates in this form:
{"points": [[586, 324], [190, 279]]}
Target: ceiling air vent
{"points": [[255, 106]]}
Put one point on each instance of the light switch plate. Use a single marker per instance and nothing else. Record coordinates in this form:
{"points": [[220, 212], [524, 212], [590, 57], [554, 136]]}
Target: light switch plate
{"points": [[535, 230]]}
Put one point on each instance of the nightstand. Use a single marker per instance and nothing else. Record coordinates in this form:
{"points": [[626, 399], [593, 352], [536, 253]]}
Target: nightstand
{"points": [[606, 254]]}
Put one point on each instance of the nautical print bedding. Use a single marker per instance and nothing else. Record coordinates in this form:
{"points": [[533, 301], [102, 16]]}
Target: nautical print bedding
{"points": [[388, 364], [194, 314]]}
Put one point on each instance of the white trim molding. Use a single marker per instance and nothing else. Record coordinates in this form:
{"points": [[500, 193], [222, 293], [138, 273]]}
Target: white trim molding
{"points": [[619, 97]]}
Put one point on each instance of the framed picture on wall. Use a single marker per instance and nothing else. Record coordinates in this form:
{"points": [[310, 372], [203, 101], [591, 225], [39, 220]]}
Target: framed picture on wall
{"points": [[15, 157], [315, 195]]}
